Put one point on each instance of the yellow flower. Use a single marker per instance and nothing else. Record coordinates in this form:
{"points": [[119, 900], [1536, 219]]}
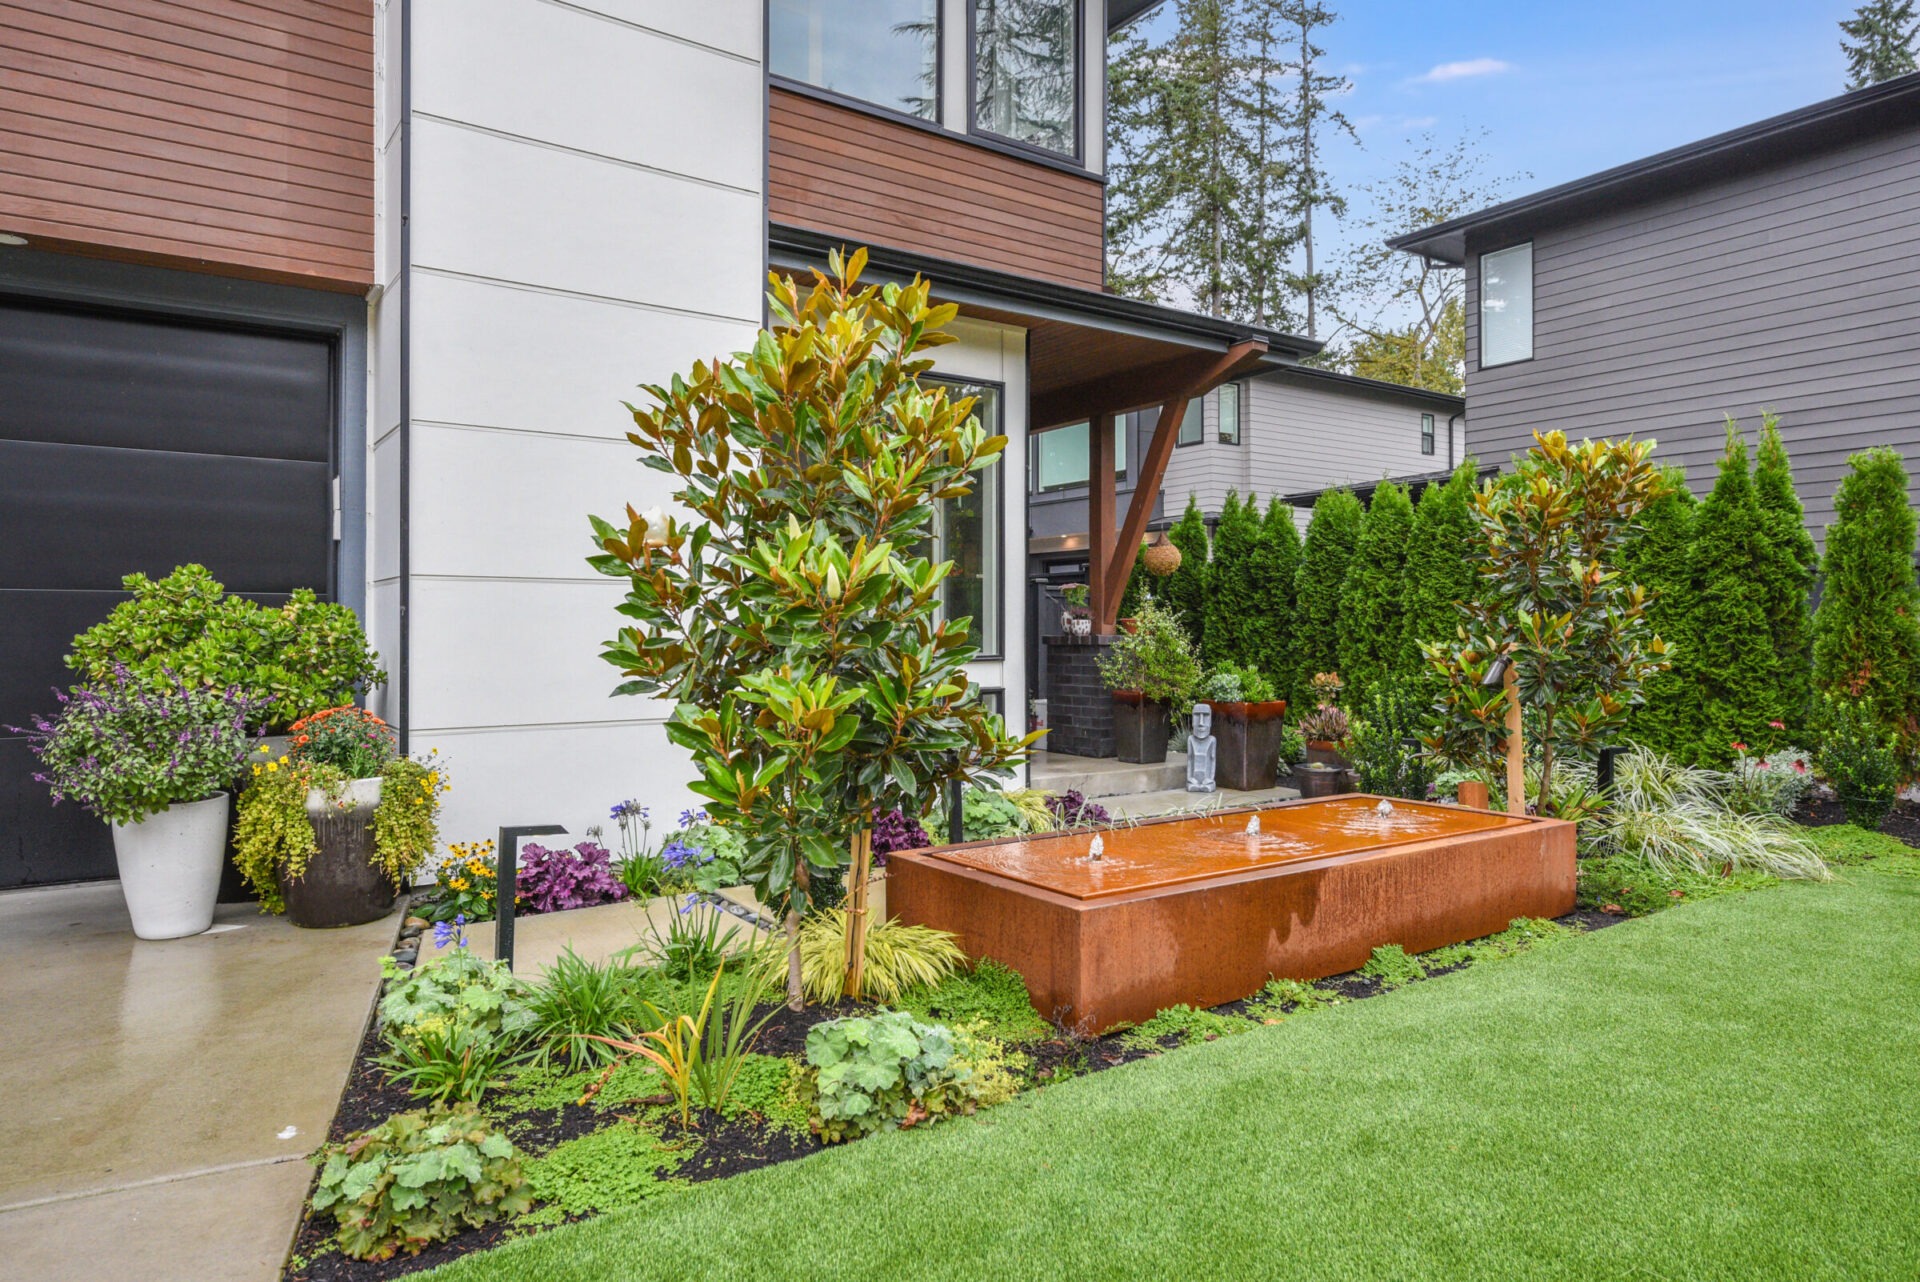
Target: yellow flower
{"points": [[272, 766], [458, 883], [256, 769]]}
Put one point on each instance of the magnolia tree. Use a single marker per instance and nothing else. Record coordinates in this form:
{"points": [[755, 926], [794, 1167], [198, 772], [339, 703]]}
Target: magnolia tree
{"points": [[795, 619], [1550, 599]]}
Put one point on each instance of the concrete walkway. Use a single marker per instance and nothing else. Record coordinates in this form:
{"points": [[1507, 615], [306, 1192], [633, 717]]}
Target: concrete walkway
{"points": [[158, 1099]]}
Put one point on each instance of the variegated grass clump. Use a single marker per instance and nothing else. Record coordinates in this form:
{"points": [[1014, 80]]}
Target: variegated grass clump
{"points": [[1678, 817], [899, 958]]}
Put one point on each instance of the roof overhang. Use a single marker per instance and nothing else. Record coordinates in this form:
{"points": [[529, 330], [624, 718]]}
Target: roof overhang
{"points": [[1122, 12], [1835, 122], [1087, 351], [1334, 380]]}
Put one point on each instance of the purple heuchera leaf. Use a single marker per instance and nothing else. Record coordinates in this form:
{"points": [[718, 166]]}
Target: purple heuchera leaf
{"points": [[896, 830], [552, 881], [1074, 810]]}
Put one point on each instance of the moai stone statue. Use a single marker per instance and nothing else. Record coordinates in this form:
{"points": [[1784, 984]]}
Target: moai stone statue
{"points": [[1202, 750]]}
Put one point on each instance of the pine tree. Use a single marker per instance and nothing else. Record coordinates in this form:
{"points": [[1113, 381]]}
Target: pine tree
{"points": [[1866, 633], [1788, 583], [1185, 590], [1332, 536], [1882, 42], [1279, 564], [1370, 597], [1232, 607], [1726, 650], [1656, 558], [1439, 568]]}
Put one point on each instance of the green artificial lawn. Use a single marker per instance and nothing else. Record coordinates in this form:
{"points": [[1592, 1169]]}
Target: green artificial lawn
{"points": [[1730, 1089]]}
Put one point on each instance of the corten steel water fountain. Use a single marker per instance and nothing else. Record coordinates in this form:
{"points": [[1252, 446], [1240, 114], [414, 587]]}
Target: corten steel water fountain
{"points": [[1204, 909]]}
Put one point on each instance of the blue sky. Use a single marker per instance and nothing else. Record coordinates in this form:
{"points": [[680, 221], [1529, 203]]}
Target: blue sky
{"points": [[1564, 88]]}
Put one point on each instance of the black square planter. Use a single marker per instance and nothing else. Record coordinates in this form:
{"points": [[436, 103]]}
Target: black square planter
{"points": [[1139, 728], [1249, 735]]}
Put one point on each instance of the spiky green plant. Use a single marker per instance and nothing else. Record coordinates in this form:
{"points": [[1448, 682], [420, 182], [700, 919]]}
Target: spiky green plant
{"points": [[1676, 817], [898, 957]]}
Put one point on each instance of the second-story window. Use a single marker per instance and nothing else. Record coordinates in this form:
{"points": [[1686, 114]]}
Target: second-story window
{"points": [[1426, 433], [1026, 72], [1230, 413], [886, 52]]}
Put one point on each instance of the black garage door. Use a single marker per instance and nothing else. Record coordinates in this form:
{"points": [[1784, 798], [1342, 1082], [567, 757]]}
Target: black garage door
{"points": [[130, 441]]}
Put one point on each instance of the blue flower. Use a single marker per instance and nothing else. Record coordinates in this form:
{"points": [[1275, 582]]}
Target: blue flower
{"points": [[688, 818]]}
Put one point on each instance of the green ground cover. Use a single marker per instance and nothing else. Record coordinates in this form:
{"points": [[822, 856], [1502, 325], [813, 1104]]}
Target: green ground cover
{"points": [[1724, 1090]]}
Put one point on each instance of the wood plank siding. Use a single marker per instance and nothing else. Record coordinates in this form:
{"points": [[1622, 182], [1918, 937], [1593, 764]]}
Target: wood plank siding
{"points": [[876, 181], [217, 135], [1794, 288]]}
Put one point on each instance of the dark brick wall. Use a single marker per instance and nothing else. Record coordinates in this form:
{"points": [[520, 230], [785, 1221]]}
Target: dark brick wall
{"points": [[1079, 706]]}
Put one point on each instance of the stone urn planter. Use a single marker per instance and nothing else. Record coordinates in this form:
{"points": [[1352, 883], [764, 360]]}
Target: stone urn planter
{"points": [[1249, 735], [340, 886], [1140, 728], [170, 867]]}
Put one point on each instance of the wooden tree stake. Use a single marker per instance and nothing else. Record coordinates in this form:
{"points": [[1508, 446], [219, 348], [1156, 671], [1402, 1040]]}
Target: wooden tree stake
{"points": [[858, 874], [1516, 751]]}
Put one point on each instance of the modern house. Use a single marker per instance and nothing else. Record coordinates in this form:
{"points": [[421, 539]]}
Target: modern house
{"points": [[348, 295], [1772, 267]]}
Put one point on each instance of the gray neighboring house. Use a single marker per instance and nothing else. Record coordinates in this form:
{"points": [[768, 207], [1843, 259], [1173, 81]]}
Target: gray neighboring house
{"points": [[1775, 266]]}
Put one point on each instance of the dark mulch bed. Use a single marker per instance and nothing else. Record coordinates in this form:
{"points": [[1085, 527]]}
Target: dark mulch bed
{"points": [[726, 1147], [1903, 824]]}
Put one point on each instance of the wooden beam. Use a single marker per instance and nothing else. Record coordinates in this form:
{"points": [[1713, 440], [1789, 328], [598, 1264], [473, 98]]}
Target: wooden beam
{"points": [[1153, 469], [1143, 386], [1101, 500]]}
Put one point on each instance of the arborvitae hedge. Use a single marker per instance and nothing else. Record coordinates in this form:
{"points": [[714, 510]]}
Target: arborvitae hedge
{"points": [[1439, 568], [1332, 535], [1370, 623], [1866, 633], [1185, 590], [1140, 583], [1787, 585], [1232, 604], [1657, 558], [1279, 563], [1726, 649]]}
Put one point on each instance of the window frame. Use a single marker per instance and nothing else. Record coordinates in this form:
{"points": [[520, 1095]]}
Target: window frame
{"points": [[1120, 474], [1196, 417], [1078, 156], [811, 90], [1426, 435], [998, 516], [1239, 414], [1480, 283]]}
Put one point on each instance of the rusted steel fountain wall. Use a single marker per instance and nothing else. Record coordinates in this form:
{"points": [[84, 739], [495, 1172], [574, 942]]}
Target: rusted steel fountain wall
{"points": [[1198, 910]]}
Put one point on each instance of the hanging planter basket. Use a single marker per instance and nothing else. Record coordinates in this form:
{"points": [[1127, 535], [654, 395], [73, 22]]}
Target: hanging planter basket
{"points": [[1161, 558]]}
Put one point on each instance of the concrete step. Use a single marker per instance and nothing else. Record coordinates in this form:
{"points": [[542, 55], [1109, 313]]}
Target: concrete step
{"points": [[1096, 777]]}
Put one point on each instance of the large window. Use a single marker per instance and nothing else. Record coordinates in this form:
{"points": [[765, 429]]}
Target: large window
{"points": [[880, 51], [1059, 455], [1026, 72], [1506, 306], [967, 531], [1193, 423], [1230, 413]]}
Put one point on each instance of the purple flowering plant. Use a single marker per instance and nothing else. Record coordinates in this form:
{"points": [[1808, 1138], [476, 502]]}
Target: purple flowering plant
{"points": [[129, 746], [551, 881]]}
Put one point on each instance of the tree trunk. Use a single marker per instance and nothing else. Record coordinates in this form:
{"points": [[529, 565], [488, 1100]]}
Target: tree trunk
{"points": [[857, 874], [796, 991]]}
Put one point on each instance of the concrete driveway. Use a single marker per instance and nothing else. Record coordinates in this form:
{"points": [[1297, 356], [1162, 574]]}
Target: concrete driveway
{"points": [[158, 1099]]}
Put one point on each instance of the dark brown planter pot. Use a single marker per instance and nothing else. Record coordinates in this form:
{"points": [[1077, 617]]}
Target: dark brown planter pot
{"points": [[1139, 728], [1321, 752], [1249, 735], [340, 886], [1320, 781]]}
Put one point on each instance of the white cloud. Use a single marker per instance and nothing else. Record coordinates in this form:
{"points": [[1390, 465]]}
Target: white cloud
{"points": [[1463, 70]]}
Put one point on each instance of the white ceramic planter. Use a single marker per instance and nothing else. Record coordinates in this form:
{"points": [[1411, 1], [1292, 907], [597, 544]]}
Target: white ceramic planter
{"points": [[170, 867]]}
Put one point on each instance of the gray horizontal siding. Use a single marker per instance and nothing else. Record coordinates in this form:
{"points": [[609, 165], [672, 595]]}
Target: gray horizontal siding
{"points": [[1795, 289]]}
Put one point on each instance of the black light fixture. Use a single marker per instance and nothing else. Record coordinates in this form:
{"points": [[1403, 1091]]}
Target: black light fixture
{"points": [[507, 876], [1497, 673]]}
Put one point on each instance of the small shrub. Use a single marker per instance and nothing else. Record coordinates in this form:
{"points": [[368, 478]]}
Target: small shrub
{"points": [[458, 990], [1293, 747], [1774, 783], [1858, 758], [1391, 965], [991, 998], [553, 881], [877, 1072], [577, 1002], [416, 1179], [1186, 1024], [1384, 750], [1236, 683], [1156, 659], [1673, 817], [898, 958]]}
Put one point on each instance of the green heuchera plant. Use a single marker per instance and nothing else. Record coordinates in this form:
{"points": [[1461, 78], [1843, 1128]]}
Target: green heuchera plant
{"points": [[289, 660], [1550, 597], [793, 621], [1156, 658], [877, 1072], [416, 1179], [454, 991]]}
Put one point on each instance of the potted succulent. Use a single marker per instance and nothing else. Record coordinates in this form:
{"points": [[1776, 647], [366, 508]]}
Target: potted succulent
{"points": [[1325, 728], [1248, 721], [331, 831], [153, 755], [1077, 619], [1148, 670]]}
